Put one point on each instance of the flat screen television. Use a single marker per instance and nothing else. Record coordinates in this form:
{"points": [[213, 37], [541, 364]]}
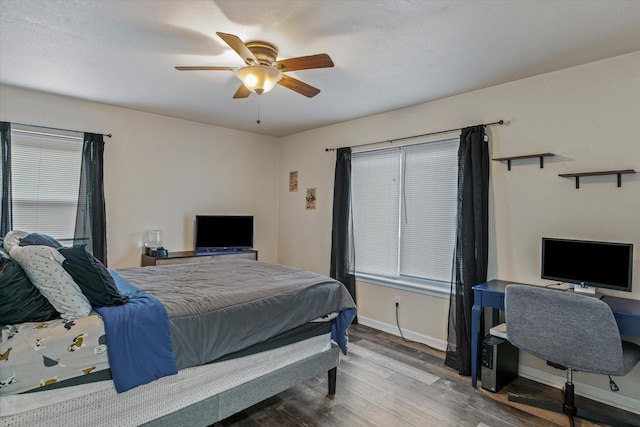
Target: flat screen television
{"points": [[223, 232], [588, 264]]}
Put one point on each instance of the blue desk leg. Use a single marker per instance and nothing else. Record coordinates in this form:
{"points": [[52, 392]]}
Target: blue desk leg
{"points": [[475, 334]]}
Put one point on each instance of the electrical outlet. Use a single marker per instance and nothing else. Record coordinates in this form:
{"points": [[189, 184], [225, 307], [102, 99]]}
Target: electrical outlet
{"points": [[397, 300]]}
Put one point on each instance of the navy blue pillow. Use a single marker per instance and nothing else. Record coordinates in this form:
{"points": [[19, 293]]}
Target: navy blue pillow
{"points": [[40, 239], [91, 276], [20, 300]]}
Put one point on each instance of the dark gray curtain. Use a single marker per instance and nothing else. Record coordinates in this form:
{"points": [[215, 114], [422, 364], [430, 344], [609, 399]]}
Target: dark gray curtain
{"points": [[342, 251], [91, 228], [471, 251], [6, 212]]}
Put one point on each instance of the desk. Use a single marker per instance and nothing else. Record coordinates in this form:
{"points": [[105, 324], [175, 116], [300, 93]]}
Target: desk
{"points": [[491, 295]]}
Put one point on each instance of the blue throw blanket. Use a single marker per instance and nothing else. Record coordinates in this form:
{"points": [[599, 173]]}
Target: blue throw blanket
{"points": [[339, 327], [138, 338]]}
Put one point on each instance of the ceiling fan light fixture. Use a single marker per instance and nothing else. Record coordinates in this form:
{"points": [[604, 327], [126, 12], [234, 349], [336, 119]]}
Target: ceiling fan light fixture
{"points": [[259, 79]]}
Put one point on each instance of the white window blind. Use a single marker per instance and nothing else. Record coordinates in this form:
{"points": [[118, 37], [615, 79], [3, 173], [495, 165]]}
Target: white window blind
{"points": [[375, 209], [429, 223], [45, 175], [404, 207]]}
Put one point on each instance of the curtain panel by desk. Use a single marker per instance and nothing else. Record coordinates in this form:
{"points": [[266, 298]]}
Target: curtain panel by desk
{"points": [[91, 228], [6, 217], [342, 251], [471, 251]]}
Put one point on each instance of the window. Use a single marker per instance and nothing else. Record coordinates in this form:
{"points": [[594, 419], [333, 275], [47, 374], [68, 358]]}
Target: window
{"points": [[404, 213], [45, 175]]}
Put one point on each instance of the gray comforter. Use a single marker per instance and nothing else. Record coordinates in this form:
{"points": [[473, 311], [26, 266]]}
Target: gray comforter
{"points": [[217, 308]]}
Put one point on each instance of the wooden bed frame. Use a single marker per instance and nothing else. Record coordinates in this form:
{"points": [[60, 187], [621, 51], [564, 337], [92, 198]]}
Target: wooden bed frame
{"points": [[229, 402]]}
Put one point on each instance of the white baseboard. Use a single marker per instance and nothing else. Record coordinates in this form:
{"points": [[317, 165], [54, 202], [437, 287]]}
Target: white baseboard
{"points": [[585, 390], [410, 335]]}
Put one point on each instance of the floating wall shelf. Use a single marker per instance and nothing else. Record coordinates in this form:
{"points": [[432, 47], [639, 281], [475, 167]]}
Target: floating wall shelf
{"points": [[541, 156], [577, 175]]}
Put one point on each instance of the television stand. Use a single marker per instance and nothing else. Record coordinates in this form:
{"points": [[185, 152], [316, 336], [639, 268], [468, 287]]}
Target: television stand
{"points": [[189, 257], [209, 251]]}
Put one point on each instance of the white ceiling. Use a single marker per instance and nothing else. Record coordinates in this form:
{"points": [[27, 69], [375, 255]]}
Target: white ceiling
{"points": [[388, 54]]}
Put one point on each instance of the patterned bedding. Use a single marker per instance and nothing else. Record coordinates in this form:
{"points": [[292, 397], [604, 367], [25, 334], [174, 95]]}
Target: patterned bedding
{"points": [[37, 356]]}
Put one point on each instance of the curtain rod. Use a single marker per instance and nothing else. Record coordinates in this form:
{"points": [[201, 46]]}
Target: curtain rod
{"points": [[390, 141], [64, 130]]}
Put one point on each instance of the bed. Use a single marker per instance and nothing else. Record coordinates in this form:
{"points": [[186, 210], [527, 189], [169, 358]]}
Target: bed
{"points": [[261, 328]]}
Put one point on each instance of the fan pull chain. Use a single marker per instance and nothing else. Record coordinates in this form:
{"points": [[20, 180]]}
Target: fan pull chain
{"points": [[258, 121]]}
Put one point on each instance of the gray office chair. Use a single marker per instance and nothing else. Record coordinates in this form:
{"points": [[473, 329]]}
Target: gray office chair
{"points": [[571, 331]]}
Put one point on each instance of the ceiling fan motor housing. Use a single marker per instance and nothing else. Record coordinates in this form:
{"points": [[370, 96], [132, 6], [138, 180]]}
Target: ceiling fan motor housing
{"points": [[266, 53]]}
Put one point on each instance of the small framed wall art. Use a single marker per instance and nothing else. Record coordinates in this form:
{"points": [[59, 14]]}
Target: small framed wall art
{"points": [[293, 182], [310, 199]]}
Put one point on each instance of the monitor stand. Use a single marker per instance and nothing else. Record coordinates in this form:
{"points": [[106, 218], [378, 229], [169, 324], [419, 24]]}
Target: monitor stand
{"points": [[588, 291]]}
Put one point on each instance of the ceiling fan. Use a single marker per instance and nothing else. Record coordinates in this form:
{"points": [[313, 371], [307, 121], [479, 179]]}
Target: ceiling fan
{"points": [[262, 71]]}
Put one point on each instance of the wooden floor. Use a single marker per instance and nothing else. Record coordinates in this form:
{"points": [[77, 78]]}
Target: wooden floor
{"points": [[387, 382]]}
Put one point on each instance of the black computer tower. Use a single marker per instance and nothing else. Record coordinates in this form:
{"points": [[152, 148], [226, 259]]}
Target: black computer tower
{"points": [[499, 363]]}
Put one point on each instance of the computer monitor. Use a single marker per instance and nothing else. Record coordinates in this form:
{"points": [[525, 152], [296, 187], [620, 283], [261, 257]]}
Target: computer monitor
{"points": [[588, 264]]}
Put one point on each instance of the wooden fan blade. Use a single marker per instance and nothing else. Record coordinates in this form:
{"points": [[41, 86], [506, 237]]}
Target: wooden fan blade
{"points": [[203, 68], [321, 60], [298, 86], [242, 92], [238, 45]]}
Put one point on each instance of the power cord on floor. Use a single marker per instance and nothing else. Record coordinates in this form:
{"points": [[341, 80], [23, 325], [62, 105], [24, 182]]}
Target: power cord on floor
{"points": [[398, 321]]}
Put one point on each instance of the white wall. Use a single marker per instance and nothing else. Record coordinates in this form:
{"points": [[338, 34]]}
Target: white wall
{"points": [[588, 116], [160, 172]]}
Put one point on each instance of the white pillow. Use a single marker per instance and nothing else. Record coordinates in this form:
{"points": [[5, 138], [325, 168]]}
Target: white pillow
{"points": [[43, 266], [13, 239]]}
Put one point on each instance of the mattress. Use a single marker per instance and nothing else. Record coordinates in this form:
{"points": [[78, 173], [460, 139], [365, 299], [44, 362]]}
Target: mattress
{"points": [[98, 404], [217, 308]]}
